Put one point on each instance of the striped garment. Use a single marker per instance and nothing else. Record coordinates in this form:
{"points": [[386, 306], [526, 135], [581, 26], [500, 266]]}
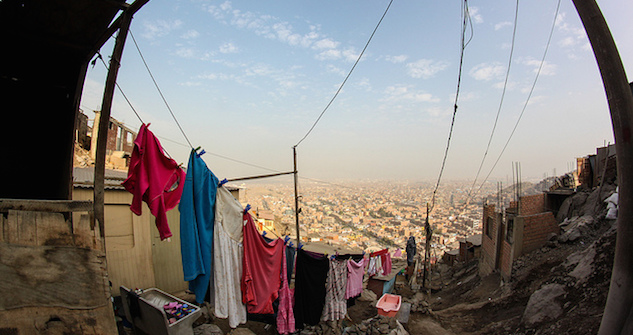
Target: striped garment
{"points": [[336, 285]]}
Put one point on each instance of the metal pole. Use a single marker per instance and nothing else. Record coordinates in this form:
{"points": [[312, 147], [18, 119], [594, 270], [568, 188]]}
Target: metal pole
{"points": [[617, 317], [296, 178]]}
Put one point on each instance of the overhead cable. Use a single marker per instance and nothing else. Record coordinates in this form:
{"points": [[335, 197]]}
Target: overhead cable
{"points": [[465, 22], [538, 72], [347, 77], [503, 93], [118, 87], [159, 90]]}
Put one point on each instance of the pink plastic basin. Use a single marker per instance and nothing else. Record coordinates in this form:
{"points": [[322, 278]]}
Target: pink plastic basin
{"points": [[389, 304]]}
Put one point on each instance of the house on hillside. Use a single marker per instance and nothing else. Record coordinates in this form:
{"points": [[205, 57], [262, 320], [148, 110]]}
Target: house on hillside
{"points": [[508, 234]]}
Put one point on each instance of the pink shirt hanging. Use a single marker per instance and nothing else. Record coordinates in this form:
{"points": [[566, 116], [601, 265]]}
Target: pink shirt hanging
{"points": [[355, 271], [154, 178]]}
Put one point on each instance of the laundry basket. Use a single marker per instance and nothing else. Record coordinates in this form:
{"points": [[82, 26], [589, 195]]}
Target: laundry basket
{"points": [[145, 311]]}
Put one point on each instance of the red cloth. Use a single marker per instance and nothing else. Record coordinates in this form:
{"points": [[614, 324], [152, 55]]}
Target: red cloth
{"points": [[261, 270], [154, 178], [385, 259]]}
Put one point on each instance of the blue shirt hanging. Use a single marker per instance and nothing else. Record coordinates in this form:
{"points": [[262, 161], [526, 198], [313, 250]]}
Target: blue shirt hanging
{"points": [[197, 214]]}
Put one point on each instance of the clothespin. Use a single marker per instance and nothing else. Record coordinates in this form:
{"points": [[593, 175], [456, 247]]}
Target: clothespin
{"points": [[222, 182], [286, 239], [300, 245], [264, 233], [290, 244], [201, 153], [248, 208]]}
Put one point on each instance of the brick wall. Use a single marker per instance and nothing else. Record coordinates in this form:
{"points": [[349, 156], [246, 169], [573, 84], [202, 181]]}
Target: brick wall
{"points": [[488, 243], [536, 230], [532, 204], [505, 263]]}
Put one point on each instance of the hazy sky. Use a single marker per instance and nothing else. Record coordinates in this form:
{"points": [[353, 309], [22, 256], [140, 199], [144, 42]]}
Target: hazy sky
{"points": [[247, 79]]}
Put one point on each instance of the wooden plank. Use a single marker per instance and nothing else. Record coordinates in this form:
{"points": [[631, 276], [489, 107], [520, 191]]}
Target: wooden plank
{"points": [[27, 227], [12, 228], [51, 276], [59, 206]]}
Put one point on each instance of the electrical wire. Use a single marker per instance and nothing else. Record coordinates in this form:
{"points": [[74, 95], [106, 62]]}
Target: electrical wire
{"points": [[465, 21], [503, 93], [159, 90], [118, 87], [347, 77], [538, 72]]}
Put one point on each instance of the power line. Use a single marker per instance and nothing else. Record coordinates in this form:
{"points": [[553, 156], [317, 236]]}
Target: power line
{"points": [[505, 84], [118, 87], [465, 22], [538, 72], [159, 90], [347, 77]]}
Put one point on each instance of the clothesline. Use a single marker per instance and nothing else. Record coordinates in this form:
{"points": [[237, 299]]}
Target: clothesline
{"points": [[226, 259]]}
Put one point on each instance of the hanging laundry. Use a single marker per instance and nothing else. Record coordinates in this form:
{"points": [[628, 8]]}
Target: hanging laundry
{"points": [[371, 266], [197, 212], [227, 258], [153, 178], [385, 260], [261, 277], [285, 314], [397, 253], [310, 277], [355, 271], [335, 307], [411, 250]]}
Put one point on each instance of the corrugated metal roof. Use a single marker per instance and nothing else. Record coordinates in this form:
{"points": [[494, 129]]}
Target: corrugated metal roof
{"points": [[84, 178]]}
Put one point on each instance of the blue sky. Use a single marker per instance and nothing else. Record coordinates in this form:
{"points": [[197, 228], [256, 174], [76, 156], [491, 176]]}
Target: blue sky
{"points": [[247, 79]]}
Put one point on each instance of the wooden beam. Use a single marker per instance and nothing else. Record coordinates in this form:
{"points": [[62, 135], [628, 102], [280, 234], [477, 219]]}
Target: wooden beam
{"points": [[57, 206]]}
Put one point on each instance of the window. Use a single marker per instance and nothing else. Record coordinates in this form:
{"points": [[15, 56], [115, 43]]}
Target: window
{"points": [[488, 228], [510, 230]]}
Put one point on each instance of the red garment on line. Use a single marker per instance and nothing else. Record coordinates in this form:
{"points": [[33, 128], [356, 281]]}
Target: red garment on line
{"points": [[385, 259], [261, 273], [154, 178]]}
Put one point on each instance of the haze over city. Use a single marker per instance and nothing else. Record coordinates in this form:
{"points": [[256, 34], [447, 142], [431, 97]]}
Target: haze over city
{"points": [[246, 80]]}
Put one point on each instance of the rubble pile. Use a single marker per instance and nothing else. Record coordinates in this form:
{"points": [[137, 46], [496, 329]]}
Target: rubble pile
{"points": [[379, 325]]}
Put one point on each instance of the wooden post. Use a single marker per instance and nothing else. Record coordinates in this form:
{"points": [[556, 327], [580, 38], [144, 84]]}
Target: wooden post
{"points": [[427, 251], [296, 179], [618, 316], [104, 122]]}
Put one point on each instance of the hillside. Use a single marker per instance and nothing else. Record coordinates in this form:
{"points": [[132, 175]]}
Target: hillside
{"points": [[558, 289]]}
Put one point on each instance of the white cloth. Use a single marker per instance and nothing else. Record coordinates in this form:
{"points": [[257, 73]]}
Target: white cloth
{"points": [[227, 259]]}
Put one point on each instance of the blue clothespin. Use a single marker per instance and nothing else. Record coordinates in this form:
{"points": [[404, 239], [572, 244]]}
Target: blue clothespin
{"points": [[222, 182], [264, 233], [300, 245], [290, 244], [248, 208], [286, 239], [201, 153]]}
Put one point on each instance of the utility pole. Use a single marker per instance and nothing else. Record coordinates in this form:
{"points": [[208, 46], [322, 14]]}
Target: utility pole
{"points": [[618, 313], [296, 178], [427, 247]]}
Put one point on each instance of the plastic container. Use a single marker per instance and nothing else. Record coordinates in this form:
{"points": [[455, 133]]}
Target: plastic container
{"points": [[150, 316], [389, 304]]}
